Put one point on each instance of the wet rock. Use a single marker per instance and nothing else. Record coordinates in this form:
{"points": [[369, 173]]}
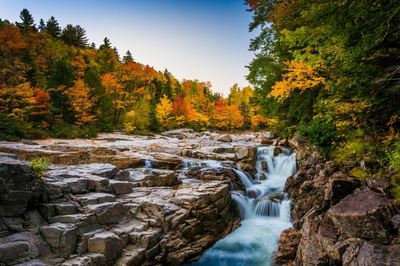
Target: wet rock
{"points": [[287, 247], [277, 151], [266, 141], [363, 214]]}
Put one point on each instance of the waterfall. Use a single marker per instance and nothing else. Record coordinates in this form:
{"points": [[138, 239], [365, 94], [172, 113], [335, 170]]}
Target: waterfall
{"points": [[244, 178], [148, 165], [264, 209], [186, 164]]}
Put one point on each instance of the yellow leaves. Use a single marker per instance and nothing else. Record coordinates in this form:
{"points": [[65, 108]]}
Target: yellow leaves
{"points": [[298, 77], [164, 110], [17, 101], [79, 98]]}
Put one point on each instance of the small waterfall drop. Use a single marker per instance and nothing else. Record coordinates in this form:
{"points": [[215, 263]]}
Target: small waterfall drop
{"points": [[264, 208], [148, 166]]}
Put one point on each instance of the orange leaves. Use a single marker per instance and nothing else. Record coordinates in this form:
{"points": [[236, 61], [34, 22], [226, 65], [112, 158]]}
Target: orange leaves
{"points": [[78, 96], [41, 104], [227, 116], [11, 39], [298, 77]]}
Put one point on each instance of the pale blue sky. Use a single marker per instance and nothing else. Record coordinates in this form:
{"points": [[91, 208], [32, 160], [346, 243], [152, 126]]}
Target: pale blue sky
{"points": [[203, 39]]}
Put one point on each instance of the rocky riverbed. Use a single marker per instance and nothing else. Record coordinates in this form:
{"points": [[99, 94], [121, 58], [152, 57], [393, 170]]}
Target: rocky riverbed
{"points": [[338, 219], [121, 200]]}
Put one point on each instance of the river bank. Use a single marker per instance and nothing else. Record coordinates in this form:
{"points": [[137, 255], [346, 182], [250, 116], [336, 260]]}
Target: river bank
{"points": [[123, 200]]}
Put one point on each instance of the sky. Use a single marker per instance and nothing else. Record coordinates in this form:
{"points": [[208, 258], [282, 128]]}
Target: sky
{"points": [[206, 40]]}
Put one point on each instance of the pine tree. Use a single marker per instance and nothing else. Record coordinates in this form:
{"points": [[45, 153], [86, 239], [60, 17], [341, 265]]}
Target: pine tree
{"points": [[74, 35], [106, 43], [27, 24], [82, 40], [93, 46], [53, 28], [127, 57], [42, 26]]}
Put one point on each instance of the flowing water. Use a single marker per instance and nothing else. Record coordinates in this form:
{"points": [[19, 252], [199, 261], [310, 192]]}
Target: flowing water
{"points": [[265, 210]]}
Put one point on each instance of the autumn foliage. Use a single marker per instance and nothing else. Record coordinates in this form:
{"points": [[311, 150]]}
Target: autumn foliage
{"points": [[53, 83]]}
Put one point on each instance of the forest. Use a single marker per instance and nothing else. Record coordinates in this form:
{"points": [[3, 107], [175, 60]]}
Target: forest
{"points": [[53, 83], [329, 70]]}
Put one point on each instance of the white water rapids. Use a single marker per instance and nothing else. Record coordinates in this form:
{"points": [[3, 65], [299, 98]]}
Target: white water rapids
{"points": [[265, 211]]}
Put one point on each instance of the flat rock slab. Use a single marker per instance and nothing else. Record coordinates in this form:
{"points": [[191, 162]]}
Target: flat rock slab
{"points": [[363, 214]]}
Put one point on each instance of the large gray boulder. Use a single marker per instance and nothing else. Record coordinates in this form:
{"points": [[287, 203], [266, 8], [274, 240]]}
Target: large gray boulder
{"points": [[364, 214]]}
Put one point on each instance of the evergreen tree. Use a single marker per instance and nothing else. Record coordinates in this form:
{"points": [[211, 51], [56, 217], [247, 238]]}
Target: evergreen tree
{"points": [[127, 57], [53, 28], [74, 35], [42, 26], [82, 40], [106, 43], [27, 24], [116, 53], [93, 46]]}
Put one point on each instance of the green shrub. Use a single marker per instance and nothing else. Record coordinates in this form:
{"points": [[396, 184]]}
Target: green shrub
{"points": [[10, 129], [354, 150], [394, 156], [396, 193], [319, 132], [358, 173], [39, 165]]}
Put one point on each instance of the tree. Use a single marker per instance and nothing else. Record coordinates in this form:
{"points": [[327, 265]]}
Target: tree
{"points": [[42, 26], [74, 35], [115, 89], [164, 111], [27, 23], [106, 44], [82, 105], [53, 28], [127, 57], [298, 76]]}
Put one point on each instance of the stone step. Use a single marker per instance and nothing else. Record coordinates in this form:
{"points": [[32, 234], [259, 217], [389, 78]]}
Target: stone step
{"points": [[106, 243], [49, 210], [90, 259], [94, 198], [132, 256], [83, 222], [107, 212]]}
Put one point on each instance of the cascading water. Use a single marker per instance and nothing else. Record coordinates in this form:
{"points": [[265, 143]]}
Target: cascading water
{"points": [[265, 211]]}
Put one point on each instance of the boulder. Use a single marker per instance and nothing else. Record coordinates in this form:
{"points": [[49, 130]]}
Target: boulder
{"points": [[106, 243], [61, 237], [364, 214], [338, 187], [19, 186], [371, 254], [266, 141], [224, 138]]}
